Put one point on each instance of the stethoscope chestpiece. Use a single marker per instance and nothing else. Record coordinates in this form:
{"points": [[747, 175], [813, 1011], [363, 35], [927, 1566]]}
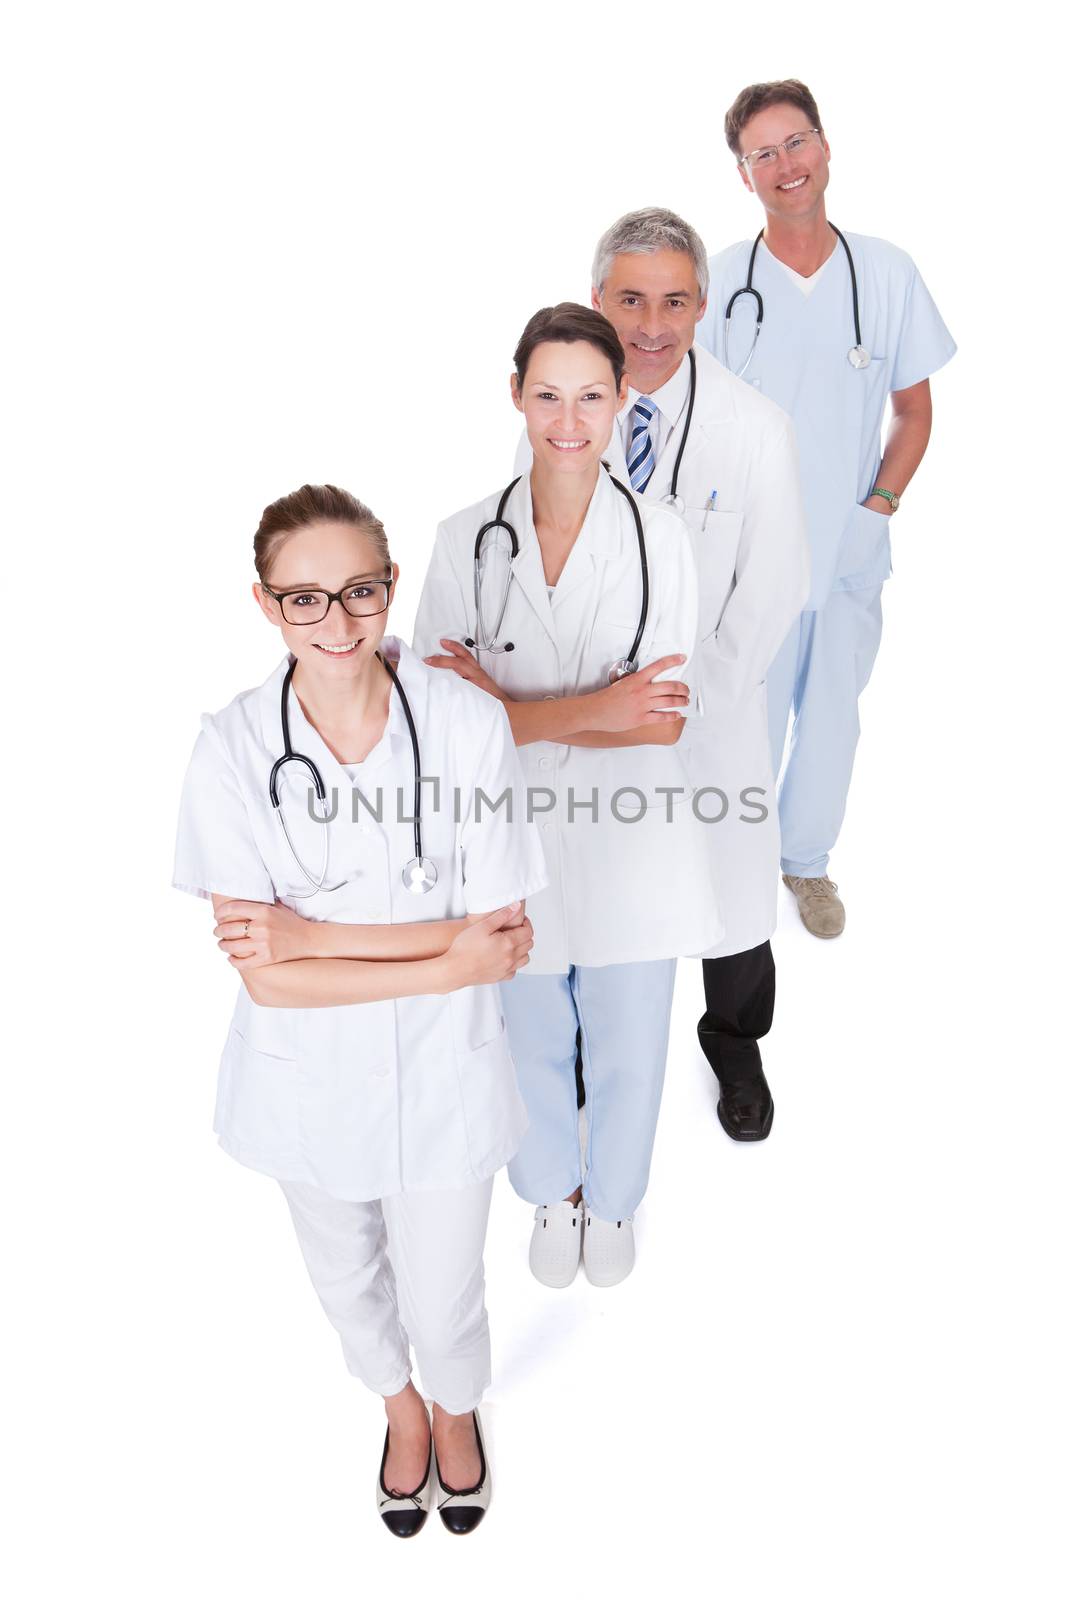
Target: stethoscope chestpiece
{"points": [[858, 357], [420, 875], [620, 670]]}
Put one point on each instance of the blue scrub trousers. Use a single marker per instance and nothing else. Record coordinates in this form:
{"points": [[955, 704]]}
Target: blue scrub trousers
{"points": [[624, 1013], [820, 673]]}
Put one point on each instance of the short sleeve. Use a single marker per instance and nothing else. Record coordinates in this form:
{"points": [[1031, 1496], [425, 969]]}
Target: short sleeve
{"points": [[925, 344], [216, 851], [502, 857]]}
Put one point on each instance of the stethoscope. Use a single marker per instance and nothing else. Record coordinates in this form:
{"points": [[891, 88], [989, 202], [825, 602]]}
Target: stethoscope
{"points": [[487, 643], [857, 356], [420, 874]]}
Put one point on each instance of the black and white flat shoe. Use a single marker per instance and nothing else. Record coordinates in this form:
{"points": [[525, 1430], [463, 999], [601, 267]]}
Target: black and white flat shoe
{"points": [[462, 1509], [404, 1514]]}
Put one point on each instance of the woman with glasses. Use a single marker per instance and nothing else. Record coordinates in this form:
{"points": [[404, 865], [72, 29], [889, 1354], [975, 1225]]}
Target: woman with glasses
{"points": [[367, 1068], [539, 618]]}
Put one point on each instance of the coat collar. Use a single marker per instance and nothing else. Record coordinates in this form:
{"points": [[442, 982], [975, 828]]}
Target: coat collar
{"points": [[600, 533], [600, 539], [715, 404], [306, 740], [670, 398]]}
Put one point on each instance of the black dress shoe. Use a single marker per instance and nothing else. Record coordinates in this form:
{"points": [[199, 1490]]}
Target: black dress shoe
{"points": [[404, 1514], [745, 1107], [461, 1510]]}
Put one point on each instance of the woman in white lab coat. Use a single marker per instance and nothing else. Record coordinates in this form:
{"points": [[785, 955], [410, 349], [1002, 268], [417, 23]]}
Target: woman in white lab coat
{"points": [[367, 1067], [628, 853]]}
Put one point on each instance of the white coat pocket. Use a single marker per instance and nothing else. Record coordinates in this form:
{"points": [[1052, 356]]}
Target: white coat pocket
{"points": [[613, 640], [493, 1113], [258, 1106], [716, 536], [610, 643], [863, 556], [477, 1017]]}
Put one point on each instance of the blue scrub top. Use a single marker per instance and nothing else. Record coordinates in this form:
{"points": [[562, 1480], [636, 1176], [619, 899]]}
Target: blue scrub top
{"points": [[801, 362]]}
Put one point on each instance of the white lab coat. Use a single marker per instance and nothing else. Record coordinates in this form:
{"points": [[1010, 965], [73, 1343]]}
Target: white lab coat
{"points": [[365, 1101], [635, 883], [752, 558]]}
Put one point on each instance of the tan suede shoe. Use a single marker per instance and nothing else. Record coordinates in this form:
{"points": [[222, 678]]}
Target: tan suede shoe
{"points": [[821, 911]]}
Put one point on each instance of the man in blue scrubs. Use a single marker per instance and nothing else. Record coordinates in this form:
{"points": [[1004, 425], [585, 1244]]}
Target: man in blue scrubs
{"points": [[834, 379]]}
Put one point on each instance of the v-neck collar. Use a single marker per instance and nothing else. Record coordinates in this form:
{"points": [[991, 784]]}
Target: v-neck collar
{"points": [[823, 274]]}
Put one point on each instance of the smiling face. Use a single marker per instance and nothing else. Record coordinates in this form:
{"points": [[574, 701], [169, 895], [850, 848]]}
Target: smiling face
{"points": [[570, 402], [794, 185], [653, 303], [331, 556]]}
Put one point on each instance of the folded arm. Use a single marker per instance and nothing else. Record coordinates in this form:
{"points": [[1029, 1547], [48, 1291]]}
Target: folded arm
{"points": [[484, 949], [261, 935], [668, 731], [636, 710]]}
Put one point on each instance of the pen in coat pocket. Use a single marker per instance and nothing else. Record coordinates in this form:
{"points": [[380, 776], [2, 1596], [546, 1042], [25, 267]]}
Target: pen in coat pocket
{"points": [[714, 495]]}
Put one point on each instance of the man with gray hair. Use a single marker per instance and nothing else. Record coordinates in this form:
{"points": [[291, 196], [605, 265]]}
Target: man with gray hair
{"points": [[725, 457]]}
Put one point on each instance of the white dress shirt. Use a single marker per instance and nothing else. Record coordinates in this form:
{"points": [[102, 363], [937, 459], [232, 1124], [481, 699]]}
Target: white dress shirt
{"points": [[669, 400]]}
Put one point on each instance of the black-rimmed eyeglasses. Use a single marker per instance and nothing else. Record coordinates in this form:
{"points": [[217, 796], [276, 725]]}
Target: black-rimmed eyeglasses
{"points": [[366, 598]]}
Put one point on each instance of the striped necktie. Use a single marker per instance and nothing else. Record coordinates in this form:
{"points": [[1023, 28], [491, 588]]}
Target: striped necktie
{"points": [[640, 458]]}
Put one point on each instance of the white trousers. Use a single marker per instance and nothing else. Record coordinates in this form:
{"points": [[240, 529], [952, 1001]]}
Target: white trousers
{"points": [[401, 1273]]}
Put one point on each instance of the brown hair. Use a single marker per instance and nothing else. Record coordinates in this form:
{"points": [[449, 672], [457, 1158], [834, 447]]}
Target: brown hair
{"points": [[319, 502], [758, 96], [570, 323]]}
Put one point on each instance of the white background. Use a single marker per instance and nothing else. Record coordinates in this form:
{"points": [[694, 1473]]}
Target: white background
{"points": [[250, 247]]}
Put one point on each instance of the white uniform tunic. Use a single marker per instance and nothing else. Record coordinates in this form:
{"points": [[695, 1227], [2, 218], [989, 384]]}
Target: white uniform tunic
{"points": [[752, 560], [801, 362], [367, 1100], [635, 883]]}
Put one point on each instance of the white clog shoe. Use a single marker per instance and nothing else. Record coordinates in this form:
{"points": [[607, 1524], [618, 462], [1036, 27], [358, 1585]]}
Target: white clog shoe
{"points": [[556, 1243], [607, 1251]]}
